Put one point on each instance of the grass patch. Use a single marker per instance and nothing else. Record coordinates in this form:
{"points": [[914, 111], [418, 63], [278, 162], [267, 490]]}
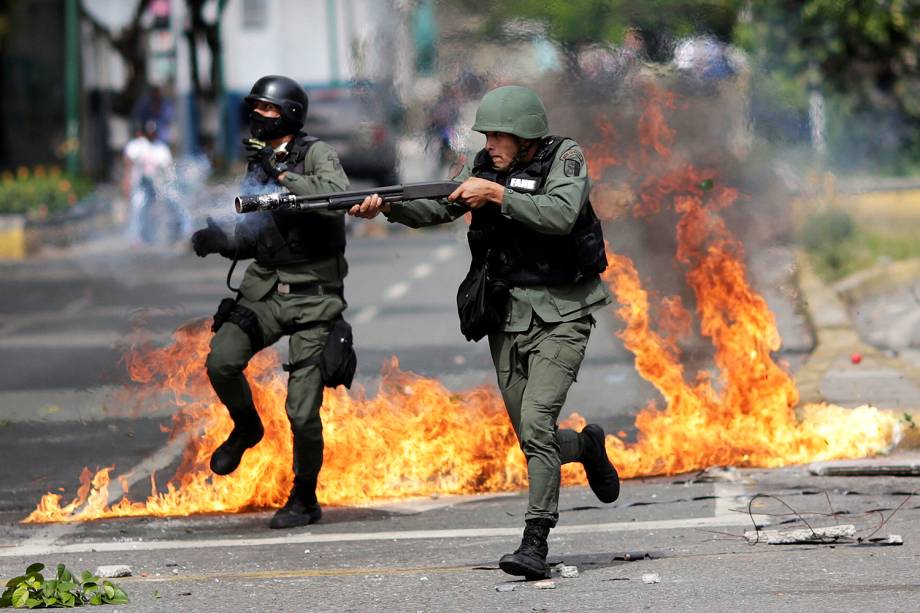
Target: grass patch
{"points": [[839, 246]]}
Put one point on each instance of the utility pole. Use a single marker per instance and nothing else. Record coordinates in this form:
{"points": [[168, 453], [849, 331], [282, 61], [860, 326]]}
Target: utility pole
{"points": [[72, 85], [332, 26]]}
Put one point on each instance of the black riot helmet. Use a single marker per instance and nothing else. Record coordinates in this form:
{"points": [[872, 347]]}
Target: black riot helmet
{"points": [[286, 94]]}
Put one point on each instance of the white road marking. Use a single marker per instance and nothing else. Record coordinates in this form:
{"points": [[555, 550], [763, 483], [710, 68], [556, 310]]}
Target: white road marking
{"points": [[443, 252], [422, 270], [28, 549], [365, 315], [400, 289], [159, 460], [396, 291], [72, 308], [78, 340], [189, 309], [422, 505], [728, 498]]}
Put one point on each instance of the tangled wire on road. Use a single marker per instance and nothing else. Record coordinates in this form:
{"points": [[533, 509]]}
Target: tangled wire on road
{"points": [[818, 538]]}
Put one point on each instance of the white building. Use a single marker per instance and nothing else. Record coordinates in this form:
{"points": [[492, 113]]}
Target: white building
{"points": [[319, 43]]}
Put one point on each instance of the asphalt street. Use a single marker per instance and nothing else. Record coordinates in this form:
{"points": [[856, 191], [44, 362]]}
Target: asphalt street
{"points": [[67, 318]]}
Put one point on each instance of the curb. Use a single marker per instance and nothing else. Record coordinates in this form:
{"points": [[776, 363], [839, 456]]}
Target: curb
{"points": [[12, 237], [835, 334], [22, 238]]}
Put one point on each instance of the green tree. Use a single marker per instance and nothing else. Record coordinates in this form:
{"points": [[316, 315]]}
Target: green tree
{"points": [[861, 54]]}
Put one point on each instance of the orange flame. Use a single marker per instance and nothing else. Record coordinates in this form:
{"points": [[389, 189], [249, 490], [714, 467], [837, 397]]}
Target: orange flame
{"points": [[416, 438], [750, 419]]}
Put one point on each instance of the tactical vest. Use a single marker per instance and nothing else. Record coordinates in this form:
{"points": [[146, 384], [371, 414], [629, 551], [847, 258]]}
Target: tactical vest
{"points": [[293, 237], [522, 256]]}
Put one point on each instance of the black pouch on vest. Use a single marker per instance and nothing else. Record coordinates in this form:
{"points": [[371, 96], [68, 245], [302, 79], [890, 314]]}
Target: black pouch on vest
{"points": [[481, 302], [223, 312], [589, 245], [337, 361]]}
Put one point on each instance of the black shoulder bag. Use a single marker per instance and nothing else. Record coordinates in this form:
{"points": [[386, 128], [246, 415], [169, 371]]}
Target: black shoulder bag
{"points": [[481, 298]]}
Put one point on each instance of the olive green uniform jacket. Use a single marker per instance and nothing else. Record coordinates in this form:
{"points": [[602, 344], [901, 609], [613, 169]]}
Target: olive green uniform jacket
{"points": [[552, 212]]}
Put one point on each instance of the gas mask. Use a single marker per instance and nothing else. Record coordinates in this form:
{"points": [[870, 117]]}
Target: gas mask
{"points": [[267, 128]]}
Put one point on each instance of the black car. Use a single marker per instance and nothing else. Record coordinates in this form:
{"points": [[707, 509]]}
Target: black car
{"points": [[355, 123]]}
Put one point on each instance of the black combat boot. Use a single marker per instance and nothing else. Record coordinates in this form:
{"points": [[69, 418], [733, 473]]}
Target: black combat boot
{"points": [[602, 476], [247, 432], [529, 560], [301, 508]]}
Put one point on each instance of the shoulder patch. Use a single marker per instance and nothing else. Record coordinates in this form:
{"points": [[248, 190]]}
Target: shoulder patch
{"points": [[572, 161], [573, 153], [333, 158]]}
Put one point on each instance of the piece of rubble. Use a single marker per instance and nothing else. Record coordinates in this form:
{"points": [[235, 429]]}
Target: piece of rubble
{"points": [[885, 541], [504, 587], [632, 556], [113, 571], [546, 584], [717, 474], [650, 578], [829, 534], [900, 465], [569, 572]]}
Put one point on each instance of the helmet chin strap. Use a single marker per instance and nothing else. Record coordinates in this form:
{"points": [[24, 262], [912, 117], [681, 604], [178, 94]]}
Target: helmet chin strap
{"points": [[524, 151]]}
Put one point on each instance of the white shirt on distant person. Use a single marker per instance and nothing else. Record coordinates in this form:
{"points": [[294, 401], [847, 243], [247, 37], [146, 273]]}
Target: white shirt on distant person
{"points": [[151, 159]]}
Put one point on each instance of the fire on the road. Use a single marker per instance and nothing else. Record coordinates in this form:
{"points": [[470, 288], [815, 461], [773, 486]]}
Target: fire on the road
{"points": [[416, 438]]}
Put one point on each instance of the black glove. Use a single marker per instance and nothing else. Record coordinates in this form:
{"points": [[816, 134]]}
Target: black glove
{"points": [[265, 157], [210, 240]]}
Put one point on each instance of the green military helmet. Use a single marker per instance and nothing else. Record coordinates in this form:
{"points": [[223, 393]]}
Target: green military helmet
{"points": [[512, 109]]}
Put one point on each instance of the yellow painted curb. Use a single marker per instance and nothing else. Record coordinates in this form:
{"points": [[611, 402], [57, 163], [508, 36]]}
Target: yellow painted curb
{"points": [[12, 237]]}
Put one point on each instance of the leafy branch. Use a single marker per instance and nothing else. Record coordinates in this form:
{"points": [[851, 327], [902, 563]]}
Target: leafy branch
{"points": [[32, 590]]}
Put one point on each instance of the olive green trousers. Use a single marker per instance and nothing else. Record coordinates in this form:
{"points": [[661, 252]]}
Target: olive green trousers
{"points": [[535, 370], [231, 351]]}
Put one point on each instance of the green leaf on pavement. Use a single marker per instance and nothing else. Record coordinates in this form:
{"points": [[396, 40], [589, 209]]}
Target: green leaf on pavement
{"points": [[12, 583], [20, 596], [34, 568]]}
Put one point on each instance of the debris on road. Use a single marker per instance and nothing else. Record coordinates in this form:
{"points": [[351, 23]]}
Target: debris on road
{"points": [[504, 587], [716, 474], [569, 572], [650, 578], [562, 570], [830, 534], [113, 571], [902, 465], [546, 584], [892, 540], [633, 556]]}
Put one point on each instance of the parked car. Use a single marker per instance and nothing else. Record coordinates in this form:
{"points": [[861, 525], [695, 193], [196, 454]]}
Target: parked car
{"points": [[355, 123]]}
